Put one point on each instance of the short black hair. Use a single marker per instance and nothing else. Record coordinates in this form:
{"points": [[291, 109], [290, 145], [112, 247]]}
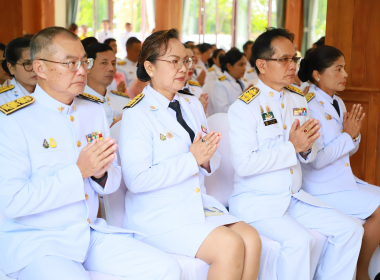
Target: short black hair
{"points": [[109, 41], [13, 51], [204, 47], [320, 42], [187, 42], [231, 57], [319, 59], [2, 47], [86, 42], [95, 48], [262, 47], [245, 46], [216, 52], [131, 41]]}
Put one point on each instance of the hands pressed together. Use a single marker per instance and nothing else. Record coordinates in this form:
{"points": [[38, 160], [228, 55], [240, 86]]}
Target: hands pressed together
{"points": [[352, 121], [303, 137], [204, 148], [96, 158]]}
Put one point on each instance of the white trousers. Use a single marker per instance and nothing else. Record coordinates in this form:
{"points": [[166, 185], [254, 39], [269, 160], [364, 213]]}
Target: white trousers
{"points": [[340, 255], [116, 254]]}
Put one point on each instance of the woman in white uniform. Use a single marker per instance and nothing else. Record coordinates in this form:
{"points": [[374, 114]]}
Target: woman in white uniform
{"points": [[19, 66], [231, 85], [172, 153], [330, 176], [214, 72]]}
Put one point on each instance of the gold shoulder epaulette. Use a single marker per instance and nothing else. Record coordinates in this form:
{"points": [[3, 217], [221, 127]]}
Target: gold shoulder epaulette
{"points": [[6, 88], [17, 104], [250, 94], [251, 70], [120, 93], [295, 90], [211, 69], [91, 97], [222, 78], [309, 96], [134, 101], [194, 83], [121, 62]]}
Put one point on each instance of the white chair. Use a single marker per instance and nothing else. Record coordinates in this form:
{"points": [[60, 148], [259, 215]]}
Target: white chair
{"points": [[220, 185]]}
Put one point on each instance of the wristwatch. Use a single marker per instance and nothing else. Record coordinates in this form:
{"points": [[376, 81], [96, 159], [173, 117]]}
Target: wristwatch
{"points": [[99, 180], [356, 139]]}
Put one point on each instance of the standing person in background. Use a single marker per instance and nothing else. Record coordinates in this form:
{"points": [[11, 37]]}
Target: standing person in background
{"points": [[4, 76], [105, 33], [123, 38], [128, 65], [231, 85], [20, 68], [83, 29], [74, 28]]}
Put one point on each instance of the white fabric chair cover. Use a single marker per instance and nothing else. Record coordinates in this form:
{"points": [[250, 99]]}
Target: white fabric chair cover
{"points": [[220, 185]]}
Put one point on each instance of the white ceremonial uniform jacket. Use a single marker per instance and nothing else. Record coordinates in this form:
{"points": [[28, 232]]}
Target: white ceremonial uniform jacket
{"points": [[103, 35], [225, 92], [267, 169], [251, 76], [106, 106], [331, 171], [15, 91], [7, 82], [194, 88], [128, 68], [49, 207], [213, 73], [165, 184]]}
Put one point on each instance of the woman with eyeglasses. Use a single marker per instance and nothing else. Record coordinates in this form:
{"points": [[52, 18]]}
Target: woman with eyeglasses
{"points": [[166, 150], [19, 66], [330, 177], [231, 85]]}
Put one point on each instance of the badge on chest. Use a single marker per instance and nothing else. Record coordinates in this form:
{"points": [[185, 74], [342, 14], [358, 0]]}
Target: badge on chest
{"points": [[299, 112], [268, 116]]}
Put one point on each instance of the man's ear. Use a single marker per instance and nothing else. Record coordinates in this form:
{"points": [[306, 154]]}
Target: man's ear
{"points": [[40, 68], [261, 64]]}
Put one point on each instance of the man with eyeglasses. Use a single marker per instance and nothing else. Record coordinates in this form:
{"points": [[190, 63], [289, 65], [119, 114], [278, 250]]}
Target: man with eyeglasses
{"points": [[56, 157], [270, 133]]}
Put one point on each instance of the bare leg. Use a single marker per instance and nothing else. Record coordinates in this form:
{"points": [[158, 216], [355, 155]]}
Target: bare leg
{"points": [[223, 250], [371, 240], [252, 249]]}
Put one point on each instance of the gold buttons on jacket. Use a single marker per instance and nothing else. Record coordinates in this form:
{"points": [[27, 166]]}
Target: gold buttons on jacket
{"points": [[346, 164], [271, 94], [108, 103], [71, 118], [285, 126], [88, 221], [79, 144], [86, 196], [195, 174], [291, 171], [197, 190], [282, 105]]}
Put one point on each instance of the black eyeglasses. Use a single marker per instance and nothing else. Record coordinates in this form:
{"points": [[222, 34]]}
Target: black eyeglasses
{"points": [[74, 65], [285, 61], [28, 66]]}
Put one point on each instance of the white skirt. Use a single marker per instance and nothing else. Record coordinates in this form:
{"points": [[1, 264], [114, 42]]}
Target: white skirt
{"points": [[359, 203], [188, 239]]}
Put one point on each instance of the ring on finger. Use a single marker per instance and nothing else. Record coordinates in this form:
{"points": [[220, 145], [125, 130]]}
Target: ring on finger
{"points": [[204, 141], [305, 131], [357, 119]]}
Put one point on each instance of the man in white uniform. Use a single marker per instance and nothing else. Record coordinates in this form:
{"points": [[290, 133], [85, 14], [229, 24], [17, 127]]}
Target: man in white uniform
{"points": [[270, 133], [105, 33], [123, 38], [128, 65], [100, 77], [56, 156]]}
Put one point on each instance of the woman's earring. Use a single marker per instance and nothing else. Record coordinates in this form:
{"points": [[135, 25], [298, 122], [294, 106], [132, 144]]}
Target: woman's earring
{"points": [[151, 74], [319, 80]]}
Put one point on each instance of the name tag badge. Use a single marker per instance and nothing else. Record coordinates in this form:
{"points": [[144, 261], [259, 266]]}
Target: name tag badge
{"points": [[299, 112], [268, 117], [212, 211]]}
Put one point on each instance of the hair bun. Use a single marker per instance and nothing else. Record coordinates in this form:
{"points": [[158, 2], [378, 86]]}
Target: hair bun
{"points": [[141, 73], [303, 74]]}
